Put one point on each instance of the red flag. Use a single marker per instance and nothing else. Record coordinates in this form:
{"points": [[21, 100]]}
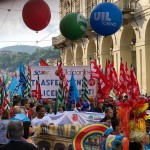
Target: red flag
{"points": [[38, 89], [42, 62], [108, 72], [5, 104], [106, 67], [94, 69], [122, 79], [91, 81], [62, 76], [128, 78], [114, 80], [135, 85], [104, 87]]}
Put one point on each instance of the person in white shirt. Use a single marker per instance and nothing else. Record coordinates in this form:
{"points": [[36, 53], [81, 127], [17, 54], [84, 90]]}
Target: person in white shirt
{"points": [[41, 119]]}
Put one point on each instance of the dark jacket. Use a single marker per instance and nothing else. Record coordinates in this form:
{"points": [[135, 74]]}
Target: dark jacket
{"points": [[18, 145]]}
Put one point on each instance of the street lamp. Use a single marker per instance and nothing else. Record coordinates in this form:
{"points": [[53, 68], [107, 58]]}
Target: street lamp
{"points": [[111, 50], [132, 45]]}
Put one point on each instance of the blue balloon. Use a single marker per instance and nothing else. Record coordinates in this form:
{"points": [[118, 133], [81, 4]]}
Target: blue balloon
{"points": [[106, 19]]}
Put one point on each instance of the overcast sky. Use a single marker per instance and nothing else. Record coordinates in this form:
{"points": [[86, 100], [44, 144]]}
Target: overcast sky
{"points": [[13, 30]]}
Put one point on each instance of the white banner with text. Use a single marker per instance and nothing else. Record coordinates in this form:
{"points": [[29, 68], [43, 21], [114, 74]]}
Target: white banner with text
{"points": [[50, 82]]}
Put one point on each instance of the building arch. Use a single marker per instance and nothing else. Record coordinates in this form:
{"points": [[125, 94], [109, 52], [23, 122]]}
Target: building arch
{"points": [[44, 145], [79, 55], [147, 33], [91, 50], [59, 146], [70, 147], [69, 57], [127, 46], [106, 50], [145, 62]]}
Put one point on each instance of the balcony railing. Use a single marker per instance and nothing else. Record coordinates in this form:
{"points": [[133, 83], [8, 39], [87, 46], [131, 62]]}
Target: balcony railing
{"points": [[126, 6], [58, 40]]}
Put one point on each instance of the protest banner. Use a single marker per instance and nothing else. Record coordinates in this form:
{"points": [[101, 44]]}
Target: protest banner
{"points": [[50, 82]]}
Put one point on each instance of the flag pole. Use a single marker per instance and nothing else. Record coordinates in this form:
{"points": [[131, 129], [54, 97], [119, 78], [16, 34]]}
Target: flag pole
{"points": [[75, 109]]}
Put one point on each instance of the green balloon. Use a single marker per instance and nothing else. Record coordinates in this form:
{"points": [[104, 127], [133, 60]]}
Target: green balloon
{"points": [[73, 26]]}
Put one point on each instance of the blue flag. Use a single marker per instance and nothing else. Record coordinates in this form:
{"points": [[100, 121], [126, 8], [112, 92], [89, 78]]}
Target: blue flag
{"points": [[73, 91], [15, 86], [22, 77]]}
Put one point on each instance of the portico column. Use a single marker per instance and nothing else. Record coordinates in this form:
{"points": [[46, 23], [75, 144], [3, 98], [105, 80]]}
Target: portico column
{"points": [[125, 54], [103, 56], [143, 65]]}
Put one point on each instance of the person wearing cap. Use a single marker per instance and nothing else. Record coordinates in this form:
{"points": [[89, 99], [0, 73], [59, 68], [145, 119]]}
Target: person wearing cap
{"points": [[100, 106]]}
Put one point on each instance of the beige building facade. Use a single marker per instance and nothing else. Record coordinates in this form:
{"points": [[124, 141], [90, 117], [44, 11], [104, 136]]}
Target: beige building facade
{"points": [[131, 43]]}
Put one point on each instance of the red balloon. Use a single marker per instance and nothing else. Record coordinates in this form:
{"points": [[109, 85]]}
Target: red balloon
{"points": [[36, 14], [91, 82]]}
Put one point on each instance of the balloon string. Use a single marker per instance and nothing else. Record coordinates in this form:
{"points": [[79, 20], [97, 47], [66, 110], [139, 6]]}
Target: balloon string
{"points": [[37, 38]]}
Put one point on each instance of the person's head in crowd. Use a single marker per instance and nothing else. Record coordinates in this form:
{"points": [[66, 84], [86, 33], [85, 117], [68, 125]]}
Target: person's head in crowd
{"points": [[16, 97], [16, 102], [85, 106], [92, 101], [72, 104], [61, 108], [50, 110], [16, 109], [79, 105], [49, 101], [5, 114], [34, 114], [26, 103], [40, 110], [92, 106], [28, 129], [45, 101], [15, 130], [109, 112], [31, 104], [100, 103], [115, 124]]}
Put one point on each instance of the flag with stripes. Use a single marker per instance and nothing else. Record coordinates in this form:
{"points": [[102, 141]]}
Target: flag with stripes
{"points": [[61, 94], [6, 104], [1, 96], [85, 91], [2, 92], [27, 89]]}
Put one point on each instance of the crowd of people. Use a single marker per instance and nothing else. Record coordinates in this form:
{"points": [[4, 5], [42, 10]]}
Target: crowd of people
{"points": [[18, 132]]}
